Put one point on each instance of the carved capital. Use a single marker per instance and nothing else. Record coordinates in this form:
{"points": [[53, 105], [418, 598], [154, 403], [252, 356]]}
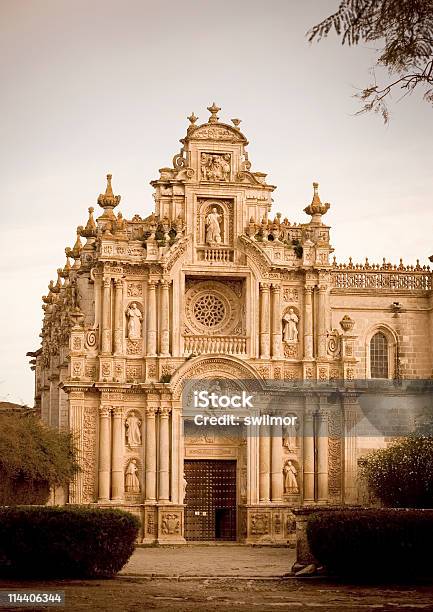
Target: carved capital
{"points": [[152, 285], [107, 282], [150, 411], [264, 286], [117, 412], [164, 411], [104, 411]]}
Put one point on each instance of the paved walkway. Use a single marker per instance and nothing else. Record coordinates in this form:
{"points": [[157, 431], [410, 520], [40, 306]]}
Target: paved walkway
{"points": [[230, 560]]}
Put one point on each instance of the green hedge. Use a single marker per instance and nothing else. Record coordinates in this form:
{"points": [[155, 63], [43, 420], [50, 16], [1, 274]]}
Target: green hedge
{"points": [[401, 475], [376, 543], [58, 542], [33, 457]]}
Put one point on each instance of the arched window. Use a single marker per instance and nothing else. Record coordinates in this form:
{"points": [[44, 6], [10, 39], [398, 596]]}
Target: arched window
{"points": [[379, 356]]}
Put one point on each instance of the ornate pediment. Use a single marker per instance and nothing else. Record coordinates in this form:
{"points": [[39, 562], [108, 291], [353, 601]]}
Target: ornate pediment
{"points": [[214, 131]]}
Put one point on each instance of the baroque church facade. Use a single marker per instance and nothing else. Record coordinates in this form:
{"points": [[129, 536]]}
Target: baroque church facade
{"points": [[212, 286]]}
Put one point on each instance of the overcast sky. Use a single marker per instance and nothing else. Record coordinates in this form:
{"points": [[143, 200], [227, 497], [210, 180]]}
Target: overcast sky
{"points": [[106, 86]]}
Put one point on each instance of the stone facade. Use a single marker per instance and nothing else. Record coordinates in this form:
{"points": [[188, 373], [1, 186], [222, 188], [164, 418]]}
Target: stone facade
{"points": [[211, 286]]}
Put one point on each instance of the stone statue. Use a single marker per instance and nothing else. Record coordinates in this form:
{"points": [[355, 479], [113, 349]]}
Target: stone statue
{"points": [[289, 437], [133, 430], [221, 167], [132, 483], [290, 481], [134, 322], [290, 326], [185, 483], [213, 231], [206, 162]]}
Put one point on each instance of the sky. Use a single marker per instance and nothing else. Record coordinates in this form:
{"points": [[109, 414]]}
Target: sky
{"points": [[106, 86]]}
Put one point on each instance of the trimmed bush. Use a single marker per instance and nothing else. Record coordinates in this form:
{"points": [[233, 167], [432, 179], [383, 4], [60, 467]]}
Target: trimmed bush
{"points": [[33, 457], [376, 543], [401, 476], [57, 542]]}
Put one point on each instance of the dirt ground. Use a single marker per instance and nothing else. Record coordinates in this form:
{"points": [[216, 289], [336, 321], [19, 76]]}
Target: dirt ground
{"points": [[215, 578], [127, 594]]}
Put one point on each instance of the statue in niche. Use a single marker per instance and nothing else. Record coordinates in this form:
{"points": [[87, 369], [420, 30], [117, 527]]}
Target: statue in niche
{"points": [[289, 437], [132, 483], [134, 322], [290, 326], [213, 230], [290, 481], [133, 430]]}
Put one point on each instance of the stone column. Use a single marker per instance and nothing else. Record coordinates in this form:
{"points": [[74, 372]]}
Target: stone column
{"points": [[164, 455], [177, 454], [321, 323], [322, 454], [308, 452], [264, 321], [76, 427], [117, 474], [253, 462], [150, 450], [350, 410], [106, 316], [151, 319], [165, 317], [104, 454], [264, 464], [276, 321], [277, 463], [118, 317], [308, 323]]}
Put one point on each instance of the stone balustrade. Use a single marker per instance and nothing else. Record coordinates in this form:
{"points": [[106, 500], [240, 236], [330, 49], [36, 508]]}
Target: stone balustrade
{"points": [[220, 254], [382, 280], [230, 345]]}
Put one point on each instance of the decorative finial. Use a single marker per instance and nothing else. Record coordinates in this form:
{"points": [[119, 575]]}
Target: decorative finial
{"points": [[108, 200], [192, 118], [236, 123], [347, 323], [109, 190], [213, 111], [316, 209], [90, 230], [77, 246]]}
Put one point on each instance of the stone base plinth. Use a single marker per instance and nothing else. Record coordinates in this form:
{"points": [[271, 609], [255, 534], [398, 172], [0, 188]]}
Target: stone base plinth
{"points": [[269, 524], [170, 525]]}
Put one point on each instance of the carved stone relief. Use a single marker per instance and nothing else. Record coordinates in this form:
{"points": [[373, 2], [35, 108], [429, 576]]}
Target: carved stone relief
{"points": [[170, 523], [215, 166], [212, 308], [260, 523]]}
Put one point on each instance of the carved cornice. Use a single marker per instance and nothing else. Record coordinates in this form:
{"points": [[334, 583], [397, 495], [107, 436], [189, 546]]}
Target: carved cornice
{"points": [[172, 255]]}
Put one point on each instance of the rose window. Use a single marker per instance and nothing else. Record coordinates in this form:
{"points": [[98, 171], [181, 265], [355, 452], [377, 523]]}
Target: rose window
{"points": [[209, 310]]}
